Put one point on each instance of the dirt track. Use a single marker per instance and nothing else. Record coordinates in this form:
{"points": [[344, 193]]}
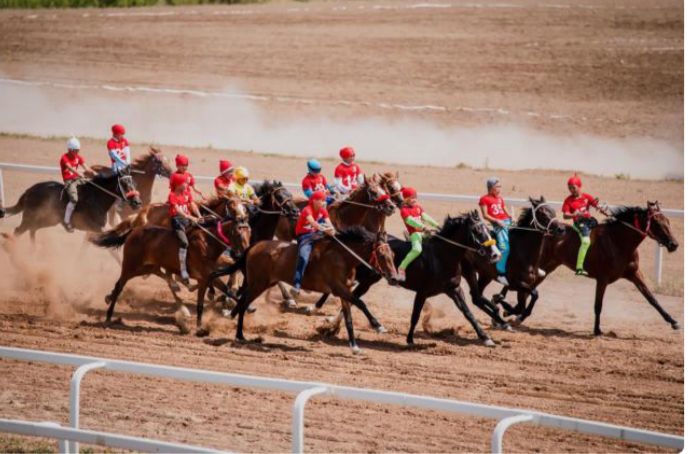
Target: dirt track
{"points": [[610, 68]]}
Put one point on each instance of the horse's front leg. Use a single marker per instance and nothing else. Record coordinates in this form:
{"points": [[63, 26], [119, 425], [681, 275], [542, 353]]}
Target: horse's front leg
{"points": [[458, 298], [638, 280]]}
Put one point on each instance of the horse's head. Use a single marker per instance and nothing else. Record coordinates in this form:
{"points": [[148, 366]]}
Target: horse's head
{"points": [[382, 258], [126, 186], [658, 227], [377, 196], [391, 185], [236, 222], [543, 217], [480, 237], [157, 164], [280, 199]]}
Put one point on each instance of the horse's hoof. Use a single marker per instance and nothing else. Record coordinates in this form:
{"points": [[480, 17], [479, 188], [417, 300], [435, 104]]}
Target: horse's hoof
{"points": [[381, 330], [108, 299], [517, 321], [356, 350], [331, 319], [597, 333], [489, 343], [507, 327], [202, 332], [675, 325], [309, 309], [290, 303], [175, 287], [251, 309], [226, 312], [185, 311]]}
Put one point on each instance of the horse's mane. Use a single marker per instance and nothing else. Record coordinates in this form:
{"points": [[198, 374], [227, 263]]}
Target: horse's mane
{"points": [[101, 179], [525, 217], [452, 223], [357, 233], [141, 161], [265, 187], [624, 213]]}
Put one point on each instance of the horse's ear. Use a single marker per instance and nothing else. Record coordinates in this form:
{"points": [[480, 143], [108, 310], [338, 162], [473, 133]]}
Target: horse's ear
{"points": [[542, 198], [532, 200]]}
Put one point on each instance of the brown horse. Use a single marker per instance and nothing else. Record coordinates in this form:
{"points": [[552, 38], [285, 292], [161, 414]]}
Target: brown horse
{"points": [[332, 269], [147, 250], [367, 206], [144, 170], [613, 254]]}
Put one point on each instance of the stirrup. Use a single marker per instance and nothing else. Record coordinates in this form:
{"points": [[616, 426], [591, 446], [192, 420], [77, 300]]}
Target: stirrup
{"points": [[581, 272], [502, 279], [68, 226]]}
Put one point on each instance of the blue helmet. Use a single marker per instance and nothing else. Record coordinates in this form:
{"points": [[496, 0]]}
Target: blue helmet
{"points": [[314, 165]]}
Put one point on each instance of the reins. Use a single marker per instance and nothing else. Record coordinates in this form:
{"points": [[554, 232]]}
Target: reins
{"points": [[356, 256]]}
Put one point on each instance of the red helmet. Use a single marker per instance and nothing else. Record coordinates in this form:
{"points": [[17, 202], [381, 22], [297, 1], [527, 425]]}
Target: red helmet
{"points": [[225, 166], [177, 179], [181, 160], [118, 130], [347, 153], [574, 181], [408, 193], [318, 195]]}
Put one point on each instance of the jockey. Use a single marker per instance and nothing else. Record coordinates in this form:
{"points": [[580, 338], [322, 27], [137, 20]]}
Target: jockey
{"points": [[347, 175], [242, 188], [576, 207], [493, 209], [182, 211], [181, 164], [417, 222], [312, 223], [222, 183], [70, 163], [118, 149], [314, 181]]}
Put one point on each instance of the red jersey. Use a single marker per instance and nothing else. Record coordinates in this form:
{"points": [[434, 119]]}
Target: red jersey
{"points": [[579, 204], [416, 212], [347, 175], [119, 147], [190, 183], [176, 201], [495, 206], [66, 160], [302, 226], [314, 182], [223, 183]]}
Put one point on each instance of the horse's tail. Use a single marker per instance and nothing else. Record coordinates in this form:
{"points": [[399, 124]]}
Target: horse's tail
{"points": [[113, 238], [16, 209]]}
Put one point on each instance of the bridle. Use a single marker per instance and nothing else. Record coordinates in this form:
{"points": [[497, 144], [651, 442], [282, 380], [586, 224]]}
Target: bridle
{"points": [[481, 244], [376, 251], [283, 209], [650, 215], [378, 199]]}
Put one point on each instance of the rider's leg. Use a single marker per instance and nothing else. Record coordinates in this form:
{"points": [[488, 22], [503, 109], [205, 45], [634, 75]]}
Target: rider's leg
{"points": [[179, 228], [416, 248], [502, 235], [72, 194], [584, 231], [305, 243]]}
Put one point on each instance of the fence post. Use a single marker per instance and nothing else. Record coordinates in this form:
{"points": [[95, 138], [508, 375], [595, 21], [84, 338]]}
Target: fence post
{"points": [[501, 427], [299, 417], [658, 264], [75, 386]]}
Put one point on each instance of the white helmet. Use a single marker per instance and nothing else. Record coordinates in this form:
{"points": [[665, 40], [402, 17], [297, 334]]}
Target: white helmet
{"points": [[73, 144]]}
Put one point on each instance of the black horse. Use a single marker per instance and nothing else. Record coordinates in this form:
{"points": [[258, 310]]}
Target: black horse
{"points": [[535, 226], [275, 202], [437, 270], [43, 204]]}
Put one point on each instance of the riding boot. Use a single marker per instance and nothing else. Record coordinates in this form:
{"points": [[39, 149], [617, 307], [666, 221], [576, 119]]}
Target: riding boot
{"points": [[67, 221], [182, 257]]}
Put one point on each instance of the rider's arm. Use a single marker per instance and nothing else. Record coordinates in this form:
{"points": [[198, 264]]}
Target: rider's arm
{"points": [[360, 178], [486, 215], [115, 157], [195, 210], [339, 185], [413, 222], [429, 220], [307, 192]]}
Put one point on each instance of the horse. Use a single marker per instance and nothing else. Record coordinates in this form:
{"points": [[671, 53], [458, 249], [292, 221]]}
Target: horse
{"points": [[613, 254], [148, 249], [437, 270], [369, 205], [534, 226], [332, 269], [144, 170], [43, 204], [275, 203]]}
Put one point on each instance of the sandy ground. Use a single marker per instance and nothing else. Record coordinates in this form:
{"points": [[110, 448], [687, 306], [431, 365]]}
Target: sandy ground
{"points": [[52, 299], [611, 68]]}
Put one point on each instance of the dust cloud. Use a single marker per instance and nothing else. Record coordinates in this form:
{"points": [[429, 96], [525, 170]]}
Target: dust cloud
{"points": [[234, 120]]}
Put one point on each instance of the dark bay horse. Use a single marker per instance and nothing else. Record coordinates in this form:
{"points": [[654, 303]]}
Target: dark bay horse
{"points": [[332, 269], [437, 270], [43, 204], [535, 225], [276, 202], [149, 249], [613, 254]]}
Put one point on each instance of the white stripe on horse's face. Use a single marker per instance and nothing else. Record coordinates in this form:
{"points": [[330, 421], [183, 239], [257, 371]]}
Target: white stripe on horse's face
{"points": [[240, 211]]}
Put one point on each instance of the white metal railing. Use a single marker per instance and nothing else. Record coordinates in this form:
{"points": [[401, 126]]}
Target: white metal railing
{"points": [[305, 390], [512, 202]]}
